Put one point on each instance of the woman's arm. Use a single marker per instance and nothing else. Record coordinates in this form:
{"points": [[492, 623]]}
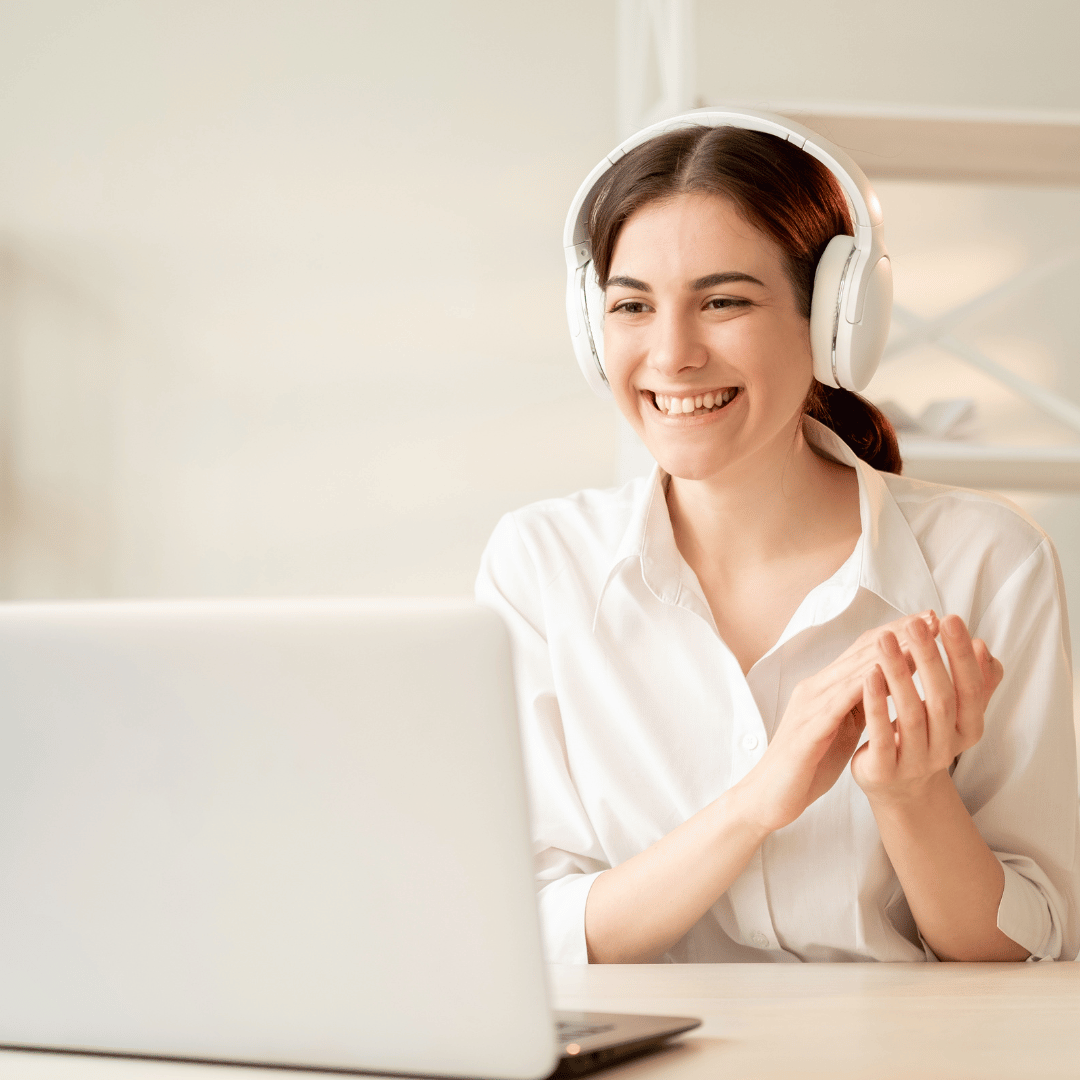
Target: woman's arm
{"points": [[638, 910], [953, 882]]}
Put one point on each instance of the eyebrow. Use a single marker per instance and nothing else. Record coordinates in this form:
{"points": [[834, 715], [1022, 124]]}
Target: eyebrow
{"points": [[708, 282], [712, 280]]}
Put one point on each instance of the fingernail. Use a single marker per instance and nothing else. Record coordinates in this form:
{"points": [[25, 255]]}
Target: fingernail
{"points": [[951, 626], [920, 631], [890, 644]]}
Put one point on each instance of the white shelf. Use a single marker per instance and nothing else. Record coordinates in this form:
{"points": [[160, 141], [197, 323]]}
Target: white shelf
{"points": [[940, 144], [978, 465]]}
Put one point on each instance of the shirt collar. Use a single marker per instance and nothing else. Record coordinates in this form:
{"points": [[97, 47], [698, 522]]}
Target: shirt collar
{"points": [[893, 566]]}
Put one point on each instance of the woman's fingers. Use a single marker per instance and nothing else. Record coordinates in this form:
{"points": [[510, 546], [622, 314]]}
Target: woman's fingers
{"points": [[901, 649], [970, 676], [941, 692], [934, 723], [907, 627], [949, 718], [845, 675], [874, 763], [882, 736], [910, 711], [902, 628], [991, 667]]}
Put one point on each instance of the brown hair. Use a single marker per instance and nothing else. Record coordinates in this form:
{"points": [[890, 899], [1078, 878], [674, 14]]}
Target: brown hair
{"points": [[784, 193]]}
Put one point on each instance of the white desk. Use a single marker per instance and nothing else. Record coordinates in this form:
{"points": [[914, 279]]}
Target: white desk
{"points": [[765, 1021]]}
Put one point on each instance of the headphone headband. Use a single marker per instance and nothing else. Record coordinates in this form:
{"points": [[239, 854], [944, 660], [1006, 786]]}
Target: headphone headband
{"points": [[852, 178], [863, 269]]}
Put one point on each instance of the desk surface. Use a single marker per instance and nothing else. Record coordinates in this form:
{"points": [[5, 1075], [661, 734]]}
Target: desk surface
{"points": [[876, 1021], [765, 1021]]}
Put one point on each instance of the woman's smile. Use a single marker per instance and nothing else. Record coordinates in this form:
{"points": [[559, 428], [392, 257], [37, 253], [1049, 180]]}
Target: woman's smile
{"points": [[680, 407]]}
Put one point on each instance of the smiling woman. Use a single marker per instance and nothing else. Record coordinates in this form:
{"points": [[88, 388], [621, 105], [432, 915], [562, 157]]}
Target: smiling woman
{"points": [[705, 658]]}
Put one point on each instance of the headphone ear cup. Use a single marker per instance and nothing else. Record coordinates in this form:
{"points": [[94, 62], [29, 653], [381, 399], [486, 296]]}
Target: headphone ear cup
{"points": [[594, 301], [585, 313], [859, 345], [847, 354], [825, 306]]}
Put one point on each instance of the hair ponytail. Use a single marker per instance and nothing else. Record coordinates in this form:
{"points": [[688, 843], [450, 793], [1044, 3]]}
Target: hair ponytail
{"points": [[861, 425]]}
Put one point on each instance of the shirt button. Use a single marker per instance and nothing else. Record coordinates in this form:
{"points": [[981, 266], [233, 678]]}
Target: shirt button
{"points": [[749, 742], [759, 939]]}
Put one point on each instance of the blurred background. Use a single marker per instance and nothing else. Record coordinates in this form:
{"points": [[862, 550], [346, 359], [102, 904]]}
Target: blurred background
{"points": [[281, 280]]}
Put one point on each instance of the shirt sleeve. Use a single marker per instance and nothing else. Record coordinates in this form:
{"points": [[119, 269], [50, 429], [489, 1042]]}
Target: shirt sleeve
{"points": [[1019, 782], [567, 855]]}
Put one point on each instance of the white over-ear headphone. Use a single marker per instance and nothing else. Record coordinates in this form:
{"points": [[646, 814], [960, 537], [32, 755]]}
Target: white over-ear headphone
{"points": [[852, 299]]}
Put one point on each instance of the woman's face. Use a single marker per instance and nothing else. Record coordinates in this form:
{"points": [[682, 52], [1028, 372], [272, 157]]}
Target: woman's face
{"points": [[700, 312]]}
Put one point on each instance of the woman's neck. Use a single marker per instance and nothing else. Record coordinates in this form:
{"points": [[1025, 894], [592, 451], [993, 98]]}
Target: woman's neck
{"points": [[761, 535], [765, 507]]}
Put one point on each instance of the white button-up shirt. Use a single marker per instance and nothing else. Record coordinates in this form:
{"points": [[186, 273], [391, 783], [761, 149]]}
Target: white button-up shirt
{"points": [[635, 714]]}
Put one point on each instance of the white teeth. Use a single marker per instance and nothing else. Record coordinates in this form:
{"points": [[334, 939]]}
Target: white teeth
{"points": [[674, 406]]}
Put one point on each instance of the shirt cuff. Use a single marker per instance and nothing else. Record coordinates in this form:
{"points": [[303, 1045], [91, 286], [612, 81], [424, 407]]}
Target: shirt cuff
{"points": [[562, 918], [1023, 914]]}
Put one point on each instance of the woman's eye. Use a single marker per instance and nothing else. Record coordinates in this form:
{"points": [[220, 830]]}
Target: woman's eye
{"points": [[719, 303], [629, 307]]}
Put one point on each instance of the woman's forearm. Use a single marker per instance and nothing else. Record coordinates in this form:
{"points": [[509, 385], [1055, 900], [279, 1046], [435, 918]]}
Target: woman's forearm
{"points": [[952, 881], [639, 909]]}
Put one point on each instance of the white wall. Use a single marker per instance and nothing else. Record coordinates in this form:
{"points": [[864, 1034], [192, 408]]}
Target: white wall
{"points": [[973, 53], [281, 289]]}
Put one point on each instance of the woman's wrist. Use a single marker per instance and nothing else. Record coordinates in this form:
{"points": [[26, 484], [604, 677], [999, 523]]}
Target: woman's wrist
{"points": [[911, 797], [747, 809]]}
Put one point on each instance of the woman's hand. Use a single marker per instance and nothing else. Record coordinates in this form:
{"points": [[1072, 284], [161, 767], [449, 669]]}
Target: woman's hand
{"points": [[821, 727], [951, 879], [902, 756]]}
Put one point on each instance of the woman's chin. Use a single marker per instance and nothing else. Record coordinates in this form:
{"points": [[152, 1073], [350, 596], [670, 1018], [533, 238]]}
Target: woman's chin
{"points": [[686, 466]]}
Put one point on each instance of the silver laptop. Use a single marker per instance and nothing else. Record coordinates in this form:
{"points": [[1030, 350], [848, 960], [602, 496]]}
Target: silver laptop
{"points": [[277, 832]]}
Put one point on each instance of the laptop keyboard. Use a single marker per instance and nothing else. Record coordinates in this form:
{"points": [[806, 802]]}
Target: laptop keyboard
{"points": [[567, 1030]]}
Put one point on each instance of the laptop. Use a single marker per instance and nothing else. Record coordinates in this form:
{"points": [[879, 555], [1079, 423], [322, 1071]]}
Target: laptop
{"points": [[278, 832]]}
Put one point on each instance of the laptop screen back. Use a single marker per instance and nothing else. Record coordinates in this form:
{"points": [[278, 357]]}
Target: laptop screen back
{"points": [[272, 831]]}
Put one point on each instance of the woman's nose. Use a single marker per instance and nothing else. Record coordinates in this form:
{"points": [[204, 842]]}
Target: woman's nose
{"points": [[676, 346]]}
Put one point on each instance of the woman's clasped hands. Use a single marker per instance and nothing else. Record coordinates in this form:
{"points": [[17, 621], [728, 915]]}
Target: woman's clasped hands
{"points": [[827, 713]]}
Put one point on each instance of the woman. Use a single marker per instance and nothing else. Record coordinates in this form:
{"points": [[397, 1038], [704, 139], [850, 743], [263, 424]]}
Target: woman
{"points": [[705, 658]]}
